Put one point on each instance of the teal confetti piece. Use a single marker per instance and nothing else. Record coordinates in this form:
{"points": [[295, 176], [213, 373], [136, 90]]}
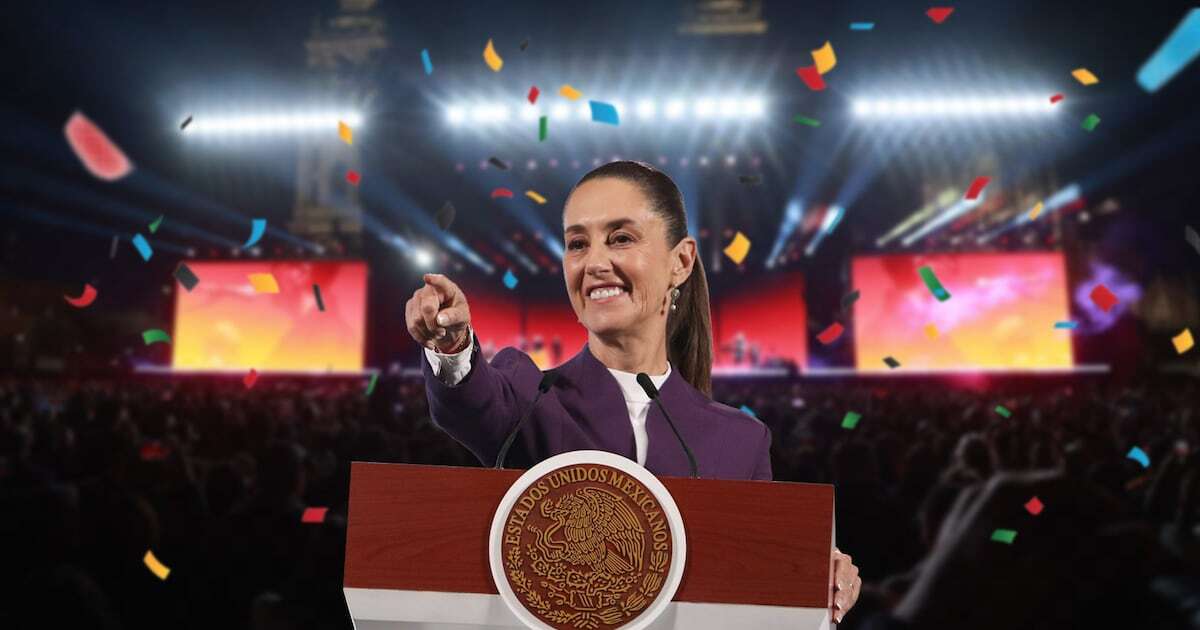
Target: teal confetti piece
{"points": [[604, 113], [510, 280], [426, 61], [851, 420], [257, 228], [1003, 411], [1139, 456], [748, 411], [935, 286], [155, 335], [1066, 325], [1180, 49], [143, 247], [862, 26], [805, 120], [1090, 122], [1006, 536], [371, 385]]}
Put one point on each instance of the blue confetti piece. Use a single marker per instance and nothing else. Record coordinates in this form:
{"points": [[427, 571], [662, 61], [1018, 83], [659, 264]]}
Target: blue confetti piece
{"points": [[1180, 48], [604, 113], [143, 247], [862, 26], [1139, 456], [257, 227], [510, 281], [425, 60], [1066, 325], [748, 411]]}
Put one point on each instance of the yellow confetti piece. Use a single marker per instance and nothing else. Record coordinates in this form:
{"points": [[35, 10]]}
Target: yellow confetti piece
{"points": [[737, 250], [156, 567], [1084, 76], [1183, 341], [263, 282], [931, 331], [824, 58], [346, 134], [1033, 214], [491, 58], [570, 92], [534, 196]]}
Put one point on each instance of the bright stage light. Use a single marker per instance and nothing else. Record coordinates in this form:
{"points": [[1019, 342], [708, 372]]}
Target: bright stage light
{"points": [[530, 113], [422, 257], [560, 112], [275, 123], [754, 107], [729, 108], [675, 109], [705, 108], [585, 111], [455, 115], [952, 107], [646, 109]]}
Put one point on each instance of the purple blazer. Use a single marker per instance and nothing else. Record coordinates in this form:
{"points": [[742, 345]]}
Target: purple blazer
{"points": [[585, 410]]}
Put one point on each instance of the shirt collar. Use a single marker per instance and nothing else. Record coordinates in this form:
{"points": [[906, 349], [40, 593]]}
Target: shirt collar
{"points": [[630, 388]]}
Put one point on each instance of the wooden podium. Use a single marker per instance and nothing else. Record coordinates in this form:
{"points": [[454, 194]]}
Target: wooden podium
{"points": [[417, 551]]}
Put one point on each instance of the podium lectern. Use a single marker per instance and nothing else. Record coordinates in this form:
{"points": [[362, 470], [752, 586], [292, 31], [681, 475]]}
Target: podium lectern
{"points": [[417, 551]]}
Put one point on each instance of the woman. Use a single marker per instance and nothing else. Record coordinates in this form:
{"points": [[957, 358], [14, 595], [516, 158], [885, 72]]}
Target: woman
{"points": [[637, 285]]}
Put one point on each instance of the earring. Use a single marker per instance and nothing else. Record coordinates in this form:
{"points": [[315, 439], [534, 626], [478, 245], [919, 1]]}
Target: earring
{"points": [[674, 297]]}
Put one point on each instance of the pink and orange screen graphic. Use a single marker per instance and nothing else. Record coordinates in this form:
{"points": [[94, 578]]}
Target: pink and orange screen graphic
{"points": [[1000, 315], [223, 324]]}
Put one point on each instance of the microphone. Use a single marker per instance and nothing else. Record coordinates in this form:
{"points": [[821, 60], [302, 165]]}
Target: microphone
{"points": [[548, 379], [648, 385]]}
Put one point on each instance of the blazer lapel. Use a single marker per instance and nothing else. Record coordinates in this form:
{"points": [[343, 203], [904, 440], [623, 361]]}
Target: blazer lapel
{"points": [[601, 404]]}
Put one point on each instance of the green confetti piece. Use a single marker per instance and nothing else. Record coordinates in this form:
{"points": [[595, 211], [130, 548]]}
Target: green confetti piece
{"points": [[1090, 122], [805, 120], [543, 128], [371, 385], [1002, 410], [157, 222], [851, 420], [155, 335], [935, 286], [1005, 536]]}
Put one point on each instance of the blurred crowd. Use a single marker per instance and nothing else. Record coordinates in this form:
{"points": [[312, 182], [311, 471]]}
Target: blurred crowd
{"points": [[213, 478]]}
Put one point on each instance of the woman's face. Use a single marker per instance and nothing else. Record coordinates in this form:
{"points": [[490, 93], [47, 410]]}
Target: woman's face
{"points": [[617, 266]]}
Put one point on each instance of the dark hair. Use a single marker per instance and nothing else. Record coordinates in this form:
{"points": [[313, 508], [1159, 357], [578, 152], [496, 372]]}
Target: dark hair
{"points": [[689, 328]]}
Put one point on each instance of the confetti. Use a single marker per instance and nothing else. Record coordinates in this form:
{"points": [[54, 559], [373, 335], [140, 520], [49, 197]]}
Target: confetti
{"points": [[185, 123], [939, 14], [1056, 98], [1068, 325], [532, 194], [1139, 456], [850, 298], [977, 187], [250, 379], [103, 159], [345, 133], [805, 120], [1183, 341], [445, 216], [831, 334], [542, 128], [426, 61], [1034, 506], [353, 177], [498, 163], [931, 331], [750, 180], [748, 411], [257, 228], [524, 45], [824, 58], [1090, 122], [862, 26], [186, 277], [112, 249], [1103, 298], [604, 113], [314, 515], [811, 78], [510, 280], [1084, 76], [533, 94], [85, 300], [1003, 411], [502, 192], [157, 568], [491, 58], [143, 247], [317, 295], [891, 362], [157, 222], [931, 281], [1037, 210], [263, 282], [1006, 536], [738, 248], [1193, 239], [570, 92], [154, 451], [1180, 48], [851, 420], [371, 385], [155, 335]]}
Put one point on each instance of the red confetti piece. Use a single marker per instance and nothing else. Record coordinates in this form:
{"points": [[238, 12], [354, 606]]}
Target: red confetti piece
{"points": [[314, 515], [502, 192], [1034, 506], [85, 300], [99, 155], [811, 78], [939, 14], [1103, 298], [353, 177], [250, 379], [533, 94], [831, 334], [977, 187], [1056, 98], [154, 451]]}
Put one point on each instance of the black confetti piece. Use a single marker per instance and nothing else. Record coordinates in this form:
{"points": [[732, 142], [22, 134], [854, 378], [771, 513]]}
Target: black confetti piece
{"points": [[497, 163], [445, 216], [749, 179], [185, 123], [185, 277], [892, 363], [317, 294]]}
